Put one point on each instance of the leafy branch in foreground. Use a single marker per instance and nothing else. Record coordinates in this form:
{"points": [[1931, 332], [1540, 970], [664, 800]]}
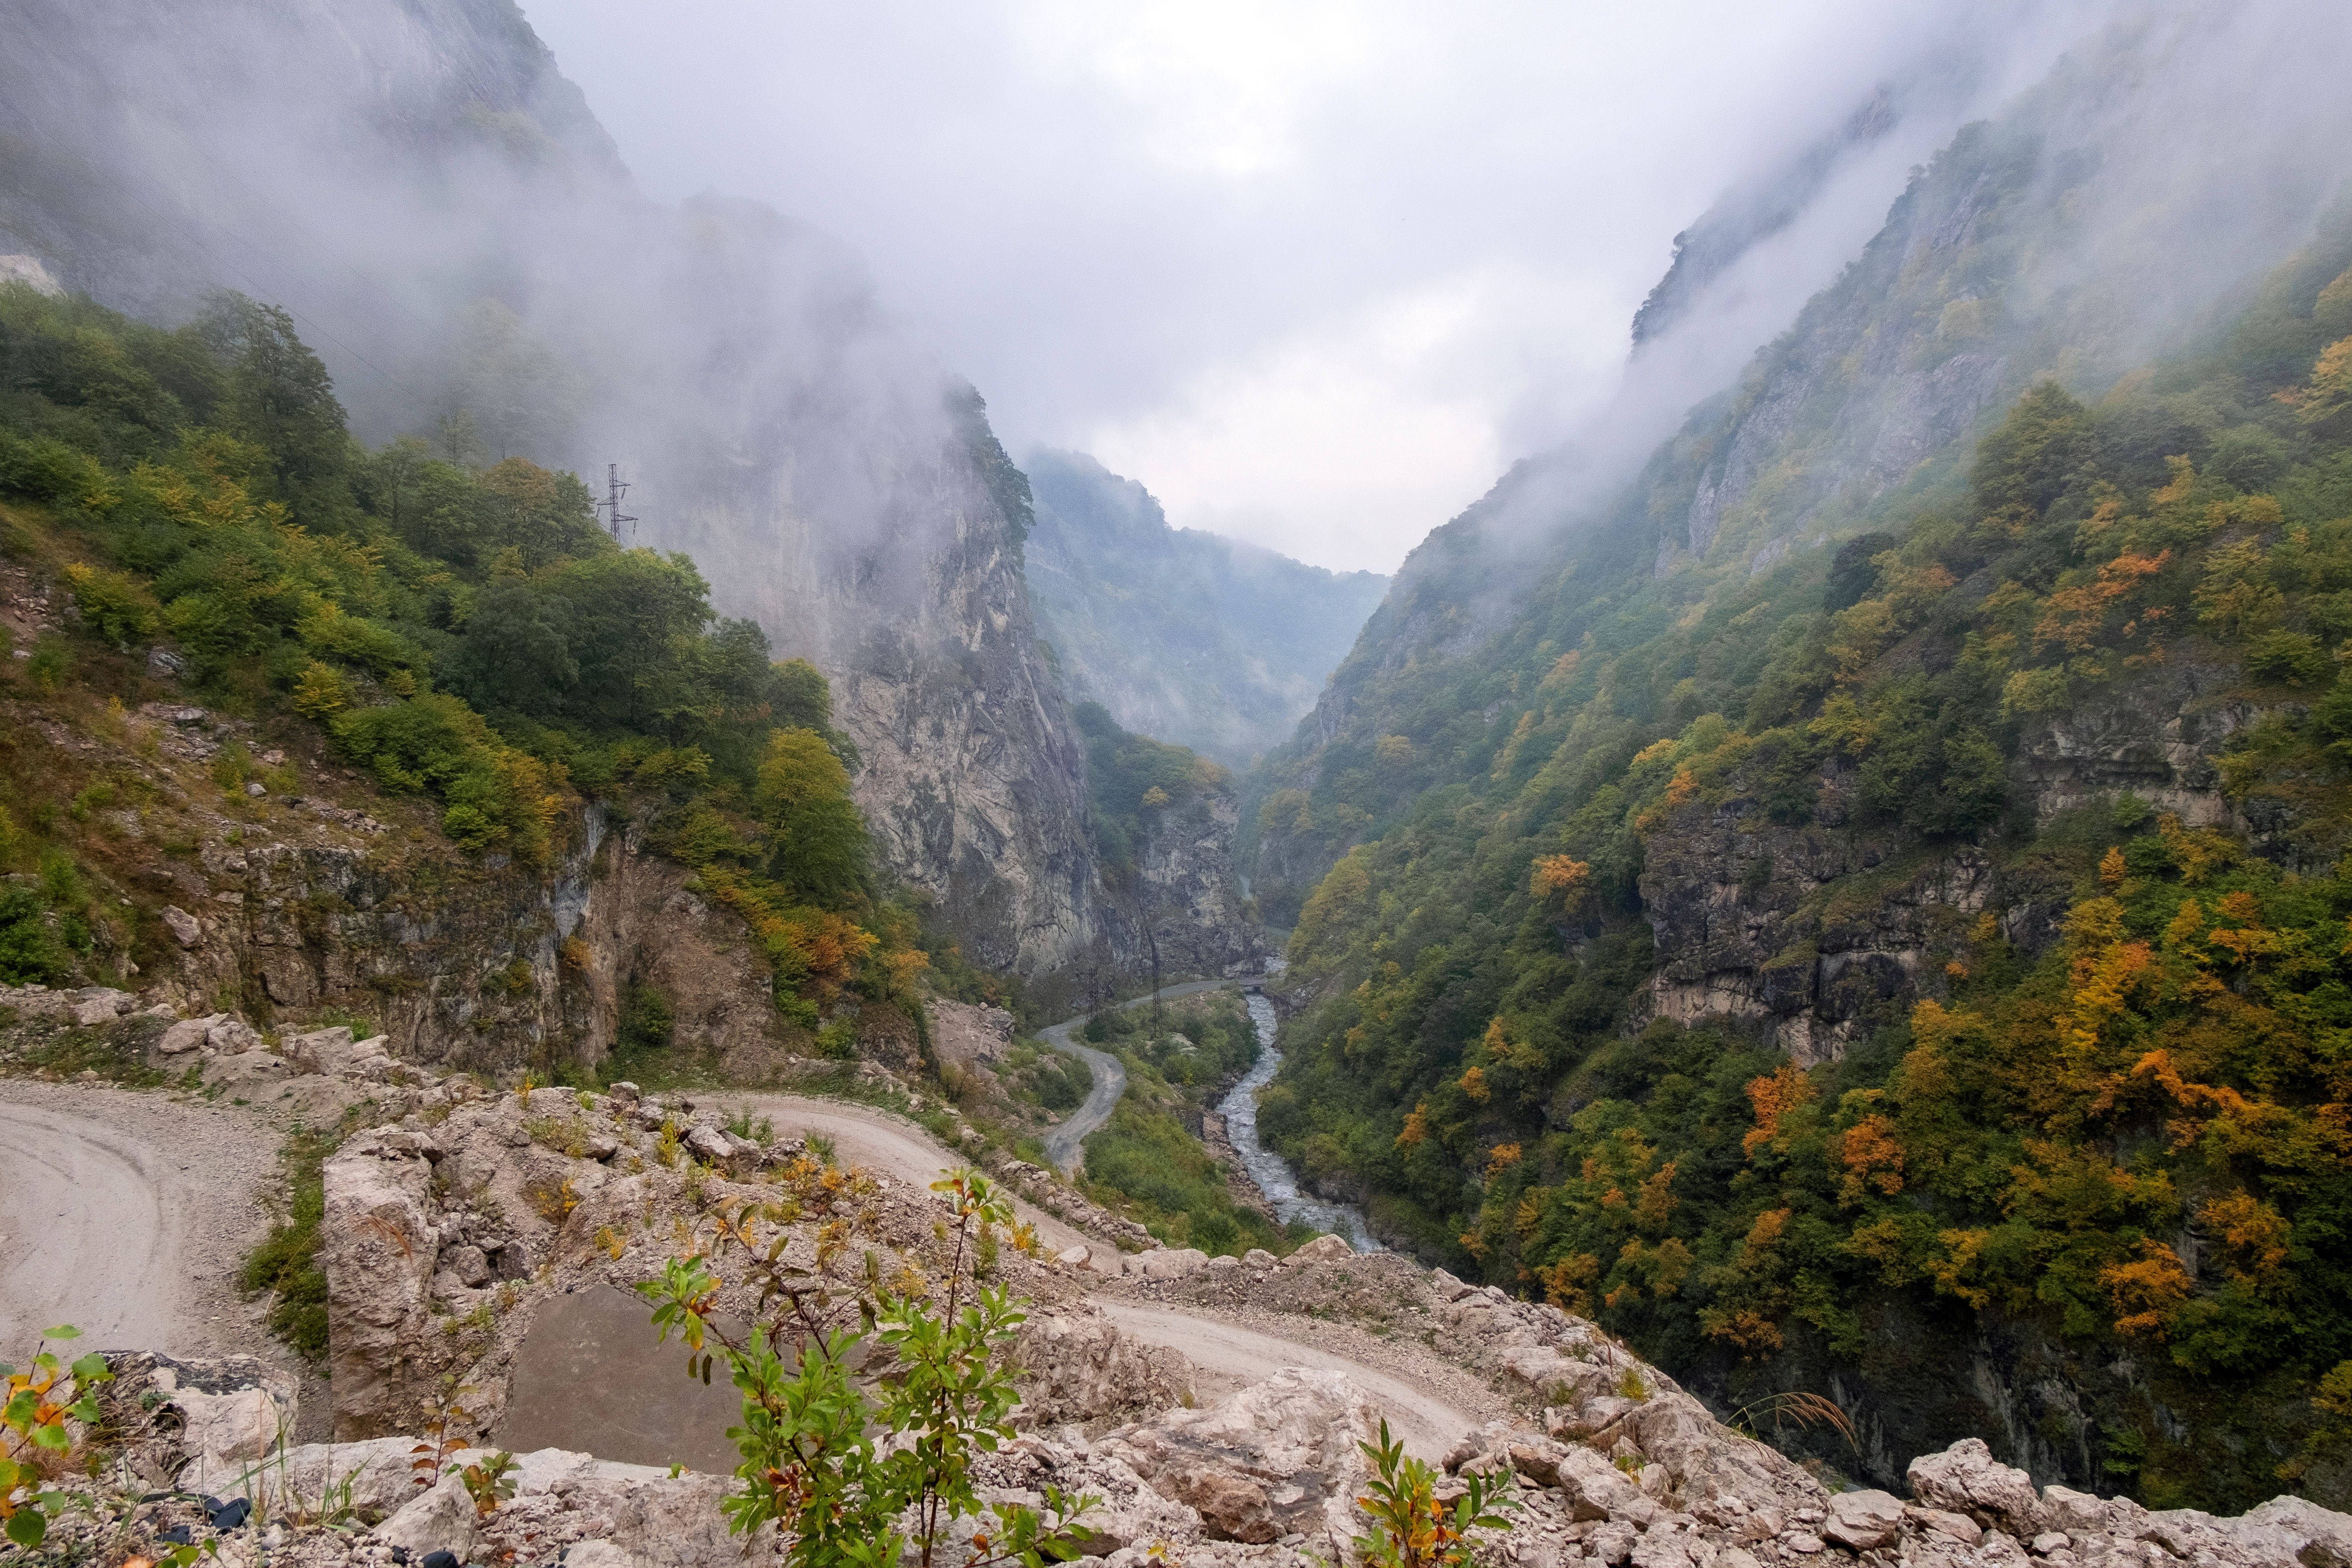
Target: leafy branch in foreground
{"points": [[41, 1399], [1413, 1528], [825, 1363]]}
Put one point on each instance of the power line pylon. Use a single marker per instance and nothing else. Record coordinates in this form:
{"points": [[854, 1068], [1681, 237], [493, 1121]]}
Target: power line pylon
{"points": [[615, 488]]}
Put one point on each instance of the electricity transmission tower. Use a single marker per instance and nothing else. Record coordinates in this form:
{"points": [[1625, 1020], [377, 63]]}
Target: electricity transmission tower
{"points": [[615, 488]]}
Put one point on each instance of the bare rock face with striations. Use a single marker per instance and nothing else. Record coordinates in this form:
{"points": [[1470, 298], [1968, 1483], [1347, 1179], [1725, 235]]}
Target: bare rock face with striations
{"points": [[902, 581]]}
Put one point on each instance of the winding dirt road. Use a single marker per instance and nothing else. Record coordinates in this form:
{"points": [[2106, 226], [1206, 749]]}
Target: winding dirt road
{"points": [[129, 1213], [1065, 1145], [1429, 1412], [1428, 1422]]}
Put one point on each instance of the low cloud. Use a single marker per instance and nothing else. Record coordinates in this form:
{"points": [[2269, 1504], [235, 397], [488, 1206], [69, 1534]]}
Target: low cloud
{"points": [[1315, 272]]}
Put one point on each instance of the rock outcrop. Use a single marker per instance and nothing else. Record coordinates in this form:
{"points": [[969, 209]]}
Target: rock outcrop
{"points": [[1281, 1458], [297, 905], [1271, 1477], [1816, 932], [1079, 1368], [214, 1414]]}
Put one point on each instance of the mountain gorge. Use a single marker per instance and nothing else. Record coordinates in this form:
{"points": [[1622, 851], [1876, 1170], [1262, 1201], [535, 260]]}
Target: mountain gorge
{"points": [[1841, 890], [1798, 910]]}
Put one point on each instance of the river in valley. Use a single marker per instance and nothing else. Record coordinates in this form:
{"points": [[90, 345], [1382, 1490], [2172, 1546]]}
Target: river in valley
{"points": [[1267, 1168]]}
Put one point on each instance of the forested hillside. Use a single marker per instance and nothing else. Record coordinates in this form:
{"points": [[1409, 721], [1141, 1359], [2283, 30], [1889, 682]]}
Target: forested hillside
{"points": [[434, 204], [2085, 229], [1206, 642], [468, 636], [1919, 968]]}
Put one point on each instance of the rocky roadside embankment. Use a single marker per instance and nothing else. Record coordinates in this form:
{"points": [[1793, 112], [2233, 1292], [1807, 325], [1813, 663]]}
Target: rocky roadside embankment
{"points": [[474, 1214], [1638, 1475]]}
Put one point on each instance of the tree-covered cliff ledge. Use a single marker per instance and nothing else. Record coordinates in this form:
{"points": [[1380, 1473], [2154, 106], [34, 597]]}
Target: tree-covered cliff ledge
{"points": [[466, 635]]}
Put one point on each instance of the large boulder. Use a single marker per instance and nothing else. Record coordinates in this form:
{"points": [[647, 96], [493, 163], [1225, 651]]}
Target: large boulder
{"points": [[1322, 1249], [188, 1035], [248, 1074], [440, 1520], [1080, 1368], [101, 1005], [2316, 1537], [377, 1248], [1280, 1456], [1173, 1263], [1966, 1478], [1861, 1519], [380, 1473], [219, 1412]]}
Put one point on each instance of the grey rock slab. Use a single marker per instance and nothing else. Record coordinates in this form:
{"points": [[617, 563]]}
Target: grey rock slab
{"points": [[591, 1375]]}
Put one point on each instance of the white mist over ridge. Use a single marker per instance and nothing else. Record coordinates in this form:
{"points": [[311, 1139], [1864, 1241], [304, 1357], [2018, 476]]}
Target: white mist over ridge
{"points": [[1315, 273], [2189, 147]]}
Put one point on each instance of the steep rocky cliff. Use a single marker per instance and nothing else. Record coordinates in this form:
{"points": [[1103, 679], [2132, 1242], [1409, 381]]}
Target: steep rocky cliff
{"points": [[1740, 934], [2080, 231], [330, 901], [450, 227]]}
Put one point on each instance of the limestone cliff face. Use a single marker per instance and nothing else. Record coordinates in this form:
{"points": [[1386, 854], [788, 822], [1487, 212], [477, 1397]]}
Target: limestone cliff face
{"points": [[902, 581], [1819, 934], [488, 967], [1186, 907]]}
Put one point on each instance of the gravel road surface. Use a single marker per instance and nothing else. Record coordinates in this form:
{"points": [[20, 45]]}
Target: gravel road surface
{"points": [[886, 1144], [1429, 1422], [128, 1215], [1429, 1405]]}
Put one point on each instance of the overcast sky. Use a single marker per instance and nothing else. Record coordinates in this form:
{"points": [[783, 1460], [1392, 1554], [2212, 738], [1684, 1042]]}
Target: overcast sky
{"points": [[1314, 273]]}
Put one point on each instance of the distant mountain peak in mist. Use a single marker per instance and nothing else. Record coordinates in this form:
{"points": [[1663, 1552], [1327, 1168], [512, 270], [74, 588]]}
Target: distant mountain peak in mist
{"points": [[1212, 643]]}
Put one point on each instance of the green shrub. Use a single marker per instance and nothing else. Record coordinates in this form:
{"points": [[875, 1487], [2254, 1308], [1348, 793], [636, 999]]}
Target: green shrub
{"points": [[285, 1263], [29, 952], [646, 1021]]}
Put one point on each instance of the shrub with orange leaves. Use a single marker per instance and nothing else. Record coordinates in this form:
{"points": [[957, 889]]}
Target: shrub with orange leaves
{"points": [[1774, 1097], [1556, 875], [2148, 1290], [1872, 1158], [2254, 1233]]}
